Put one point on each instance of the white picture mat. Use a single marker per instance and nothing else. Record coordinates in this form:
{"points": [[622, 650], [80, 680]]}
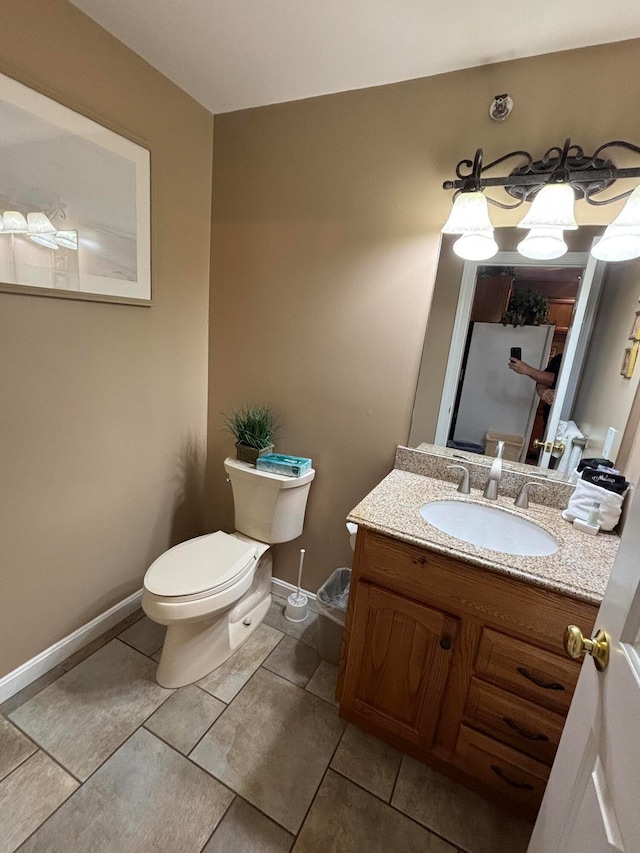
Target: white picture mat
{"points": [[100, 175]]}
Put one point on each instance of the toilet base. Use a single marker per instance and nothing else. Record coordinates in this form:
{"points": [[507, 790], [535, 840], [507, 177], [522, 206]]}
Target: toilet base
{"points": [[195, 649]]}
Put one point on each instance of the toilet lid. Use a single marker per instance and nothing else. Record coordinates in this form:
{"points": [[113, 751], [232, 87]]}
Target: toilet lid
{"points": [[199, 565]]}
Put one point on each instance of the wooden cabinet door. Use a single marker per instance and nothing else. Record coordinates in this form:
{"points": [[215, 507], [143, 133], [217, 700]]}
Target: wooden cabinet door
{"points": [[398, 662]]}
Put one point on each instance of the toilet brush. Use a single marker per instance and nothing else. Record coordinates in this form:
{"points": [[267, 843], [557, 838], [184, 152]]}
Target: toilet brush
{"points": [[297, 604]]}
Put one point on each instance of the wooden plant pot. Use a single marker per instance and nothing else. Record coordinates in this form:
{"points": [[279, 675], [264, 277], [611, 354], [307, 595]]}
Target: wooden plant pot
{"points": [[247, 454]]}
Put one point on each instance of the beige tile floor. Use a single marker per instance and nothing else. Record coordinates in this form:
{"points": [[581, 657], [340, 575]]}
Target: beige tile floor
{"points": [[95, 757]]}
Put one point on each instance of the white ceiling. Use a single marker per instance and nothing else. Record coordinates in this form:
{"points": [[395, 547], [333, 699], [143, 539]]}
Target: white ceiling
{"points": [[233, 54]]}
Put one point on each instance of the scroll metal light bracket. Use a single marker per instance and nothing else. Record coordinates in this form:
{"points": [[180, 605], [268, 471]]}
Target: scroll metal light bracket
{"points": [[587, 174]]}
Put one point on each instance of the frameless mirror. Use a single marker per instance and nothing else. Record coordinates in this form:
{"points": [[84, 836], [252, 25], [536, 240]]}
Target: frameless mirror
{"points": [[540, 355]]}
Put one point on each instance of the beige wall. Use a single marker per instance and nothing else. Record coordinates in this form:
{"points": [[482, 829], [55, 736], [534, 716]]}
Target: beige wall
{"points": [[325, 240], [605, 396], [103, 416]]}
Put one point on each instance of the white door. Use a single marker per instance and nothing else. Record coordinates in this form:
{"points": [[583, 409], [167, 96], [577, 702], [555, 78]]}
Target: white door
{"points": [[592, 801]]}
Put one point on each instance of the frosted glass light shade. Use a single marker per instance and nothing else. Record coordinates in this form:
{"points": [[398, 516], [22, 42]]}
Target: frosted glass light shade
{"points": [[543, 244], [629, 216], [469, 214], [44, 240], [67, 239], [39, 224], [14, 222], [478, 246], [618, 243], [552, 208]]}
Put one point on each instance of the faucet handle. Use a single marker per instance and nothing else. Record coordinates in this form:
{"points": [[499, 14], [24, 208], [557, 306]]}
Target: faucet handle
{"points": [[463, 487], [522, 501], [499, 449]]}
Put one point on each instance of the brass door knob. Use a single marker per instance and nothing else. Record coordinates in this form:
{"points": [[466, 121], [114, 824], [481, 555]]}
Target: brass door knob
{"points": [[549, 446], [576, 646]]}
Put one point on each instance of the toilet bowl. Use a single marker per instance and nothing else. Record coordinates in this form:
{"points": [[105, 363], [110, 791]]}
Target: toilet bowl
{"points": [[212, 592]]}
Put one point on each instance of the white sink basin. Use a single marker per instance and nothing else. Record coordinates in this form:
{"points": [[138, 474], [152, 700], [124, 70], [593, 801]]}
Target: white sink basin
{"points": [[489, 527]]}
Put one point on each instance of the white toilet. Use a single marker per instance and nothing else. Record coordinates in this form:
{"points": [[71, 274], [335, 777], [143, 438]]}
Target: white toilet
{"points": [[212, 592]]}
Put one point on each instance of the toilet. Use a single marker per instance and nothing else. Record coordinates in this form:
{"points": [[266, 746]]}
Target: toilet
{"points": [[213, 591]]}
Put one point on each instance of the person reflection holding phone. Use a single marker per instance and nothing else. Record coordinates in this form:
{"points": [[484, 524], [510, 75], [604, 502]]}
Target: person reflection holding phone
{"points": [[545, 380]]}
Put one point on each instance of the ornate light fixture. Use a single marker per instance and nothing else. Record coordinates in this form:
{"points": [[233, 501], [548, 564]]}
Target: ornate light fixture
{"points": [[552, 184], [38, 228]]}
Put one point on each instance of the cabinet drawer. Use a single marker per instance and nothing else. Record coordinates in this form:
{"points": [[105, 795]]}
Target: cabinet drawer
{"points": [[515, 776], [526, 670], [514, 721]]}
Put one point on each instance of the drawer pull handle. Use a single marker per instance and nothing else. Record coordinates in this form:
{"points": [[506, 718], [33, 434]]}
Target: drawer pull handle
{"points": [[420, 560], [521, 786], [546, 685], [528, 735]]}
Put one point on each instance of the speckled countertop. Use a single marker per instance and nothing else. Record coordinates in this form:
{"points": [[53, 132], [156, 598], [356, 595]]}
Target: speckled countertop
{"points": [[579, 568]]}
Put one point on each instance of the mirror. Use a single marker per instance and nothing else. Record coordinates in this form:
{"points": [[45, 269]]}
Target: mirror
{"points": [[574, 380]]}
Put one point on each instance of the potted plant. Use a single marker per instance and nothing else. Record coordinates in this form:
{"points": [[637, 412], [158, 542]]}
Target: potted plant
{"points": [[253, 428], [526, 308]]}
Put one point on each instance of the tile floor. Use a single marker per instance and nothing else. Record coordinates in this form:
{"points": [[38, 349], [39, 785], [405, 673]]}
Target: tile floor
{"points": [[95, 757]]}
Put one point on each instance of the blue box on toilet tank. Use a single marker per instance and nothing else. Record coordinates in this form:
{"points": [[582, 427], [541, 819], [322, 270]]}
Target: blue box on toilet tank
{"points": [[279, 463]]}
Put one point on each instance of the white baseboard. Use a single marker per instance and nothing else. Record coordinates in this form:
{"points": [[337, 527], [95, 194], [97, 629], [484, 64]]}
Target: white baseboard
{"points": [[24, 675], [46, 660], [284, 589]]}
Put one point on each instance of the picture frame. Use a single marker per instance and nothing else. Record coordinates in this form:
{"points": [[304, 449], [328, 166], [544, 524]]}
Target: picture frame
{"points": [[629, 360], [75, 203], [634, 334]]}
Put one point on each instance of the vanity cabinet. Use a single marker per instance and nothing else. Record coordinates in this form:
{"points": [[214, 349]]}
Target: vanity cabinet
{"points": [[459, 666]]}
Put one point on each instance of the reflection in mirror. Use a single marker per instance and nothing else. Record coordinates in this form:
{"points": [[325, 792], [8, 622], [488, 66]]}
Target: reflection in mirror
{"points": [[530, 353]]}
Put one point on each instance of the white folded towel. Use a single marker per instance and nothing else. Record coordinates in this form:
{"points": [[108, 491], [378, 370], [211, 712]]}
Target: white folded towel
{"points": [[572, 454], [582, 500]]}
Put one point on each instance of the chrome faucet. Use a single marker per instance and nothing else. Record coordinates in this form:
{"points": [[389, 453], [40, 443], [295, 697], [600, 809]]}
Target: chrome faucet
{"points": [[463, 487], [495, 474]]}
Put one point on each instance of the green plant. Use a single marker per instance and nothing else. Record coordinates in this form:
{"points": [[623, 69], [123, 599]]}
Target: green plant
{"points": [[526, 308], [252, 426]]}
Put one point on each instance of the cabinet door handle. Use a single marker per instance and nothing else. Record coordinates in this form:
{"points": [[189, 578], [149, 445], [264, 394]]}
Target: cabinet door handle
{"points": [[445, 643], [522, 732], [546, 685], [521, 786]]}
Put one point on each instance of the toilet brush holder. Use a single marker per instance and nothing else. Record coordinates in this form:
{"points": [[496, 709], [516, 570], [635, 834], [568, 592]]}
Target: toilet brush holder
{"points": [[297, 607]]}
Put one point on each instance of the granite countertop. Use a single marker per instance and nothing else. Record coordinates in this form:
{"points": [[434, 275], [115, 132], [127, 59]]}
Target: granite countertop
{"points": [[580, 567]]}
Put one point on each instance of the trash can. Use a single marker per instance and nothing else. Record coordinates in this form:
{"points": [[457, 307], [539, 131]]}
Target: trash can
{"points": [[512, 444], [331, 605]]}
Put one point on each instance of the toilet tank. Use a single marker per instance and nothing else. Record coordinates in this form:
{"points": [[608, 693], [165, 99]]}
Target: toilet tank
{"points": [[268, 507]]}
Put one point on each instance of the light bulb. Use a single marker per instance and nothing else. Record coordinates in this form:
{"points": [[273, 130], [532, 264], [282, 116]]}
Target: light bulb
{"points": [[478, 246], [551, 208], [469, 214], [543, 244]]}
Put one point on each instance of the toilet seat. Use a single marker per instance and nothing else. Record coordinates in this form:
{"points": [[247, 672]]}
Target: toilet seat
{"points": [[200, 567]]}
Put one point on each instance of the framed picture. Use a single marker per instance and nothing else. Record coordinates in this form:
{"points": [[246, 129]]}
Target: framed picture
{"points": [[634, 334], [629, 360], [75, 209]]}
